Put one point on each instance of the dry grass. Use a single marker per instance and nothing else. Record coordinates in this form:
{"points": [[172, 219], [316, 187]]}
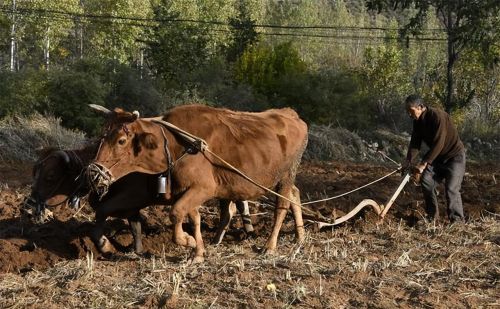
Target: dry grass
{"points": [[361, 265], [20, 137], [330, 143], [358, 265]]}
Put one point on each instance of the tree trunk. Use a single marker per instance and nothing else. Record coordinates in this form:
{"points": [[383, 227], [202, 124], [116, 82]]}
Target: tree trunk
{"points": [[452, 56], [81, 41], [47, 50], [141, 62], [13, 38], [449, 104]]}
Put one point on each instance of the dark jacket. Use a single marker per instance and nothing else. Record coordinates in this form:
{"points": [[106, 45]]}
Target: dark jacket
{"points": [[435, 128]]}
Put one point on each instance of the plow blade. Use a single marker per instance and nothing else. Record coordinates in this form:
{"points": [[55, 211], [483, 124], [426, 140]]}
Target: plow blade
{"points": [[380, 210]]}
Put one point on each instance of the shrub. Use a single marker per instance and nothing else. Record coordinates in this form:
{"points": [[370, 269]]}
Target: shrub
{"points": [[22, 92], [69, 94], [21, 136]]}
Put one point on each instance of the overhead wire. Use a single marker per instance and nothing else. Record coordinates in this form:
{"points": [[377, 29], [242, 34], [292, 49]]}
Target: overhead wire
{"points": [[153, 22], [213, 22]]}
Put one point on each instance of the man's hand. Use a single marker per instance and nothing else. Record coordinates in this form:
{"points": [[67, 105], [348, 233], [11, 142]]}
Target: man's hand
{"points": [[416, 172], [421, 167]]}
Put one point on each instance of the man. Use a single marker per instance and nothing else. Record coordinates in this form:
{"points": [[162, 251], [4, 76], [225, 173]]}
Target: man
{"points": [[445, 159]]}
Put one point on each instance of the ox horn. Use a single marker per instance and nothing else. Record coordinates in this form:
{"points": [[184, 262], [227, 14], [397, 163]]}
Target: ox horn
{"points": [[100, 108], [136, 113], [62, 154]]}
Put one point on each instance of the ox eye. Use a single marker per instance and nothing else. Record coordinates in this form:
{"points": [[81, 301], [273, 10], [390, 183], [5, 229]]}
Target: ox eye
{"points": [[49, 178], [122, 141]]}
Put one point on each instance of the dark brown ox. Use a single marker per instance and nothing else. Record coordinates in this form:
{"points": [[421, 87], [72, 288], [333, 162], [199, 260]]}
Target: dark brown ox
{"points": [[265, 146], [58, 179]]}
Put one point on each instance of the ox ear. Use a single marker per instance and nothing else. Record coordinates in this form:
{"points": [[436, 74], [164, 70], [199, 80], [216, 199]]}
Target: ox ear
{"points": [[146, 140], [101, 109], [52, 151], [122, 116], [43, 152], [63, 155]]}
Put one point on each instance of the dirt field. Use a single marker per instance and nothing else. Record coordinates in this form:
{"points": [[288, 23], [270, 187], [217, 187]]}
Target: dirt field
{"points": [[397, 264]]}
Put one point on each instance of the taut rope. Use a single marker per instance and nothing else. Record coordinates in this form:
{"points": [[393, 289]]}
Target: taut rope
{"points": [[202, 146]]}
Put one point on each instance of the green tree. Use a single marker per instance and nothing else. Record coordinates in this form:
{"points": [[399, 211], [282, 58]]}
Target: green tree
{"points": [[22, 92], [133, 92], [113, 38], [5, 29], [176, 48], [243, 31], [261, 66], [39, 31], [68, 96], [386, 81], [463, 22]]}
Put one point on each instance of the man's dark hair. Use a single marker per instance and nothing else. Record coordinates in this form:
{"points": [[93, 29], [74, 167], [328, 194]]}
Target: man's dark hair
{"points": [[414, 100]]}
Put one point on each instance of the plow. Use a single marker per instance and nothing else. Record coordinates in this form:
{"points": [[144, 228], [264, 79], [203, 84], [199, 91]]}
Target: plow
{"points": [[380, 209]]}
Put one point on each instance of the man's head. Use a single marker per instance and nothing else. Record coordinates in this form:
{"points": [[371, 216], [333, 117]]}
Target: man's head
{"points": [[414, 106]]}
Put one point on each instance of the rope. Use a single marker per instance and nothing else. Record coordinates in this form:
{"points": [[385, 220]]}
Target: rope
{"points": [[387, 157], [250, 179], [193, 139], [349, 192], [203, 147]]}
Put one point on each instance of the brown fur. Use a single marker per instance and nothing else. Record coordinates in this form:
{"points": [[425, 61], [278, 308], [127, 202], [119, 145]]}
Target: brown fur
{"points": [[56, 180], [266, 146]]}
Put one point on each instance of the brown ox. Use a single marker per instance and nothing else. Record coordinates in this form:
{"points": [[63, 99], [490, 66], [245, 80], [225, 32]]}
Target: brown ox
{"points": [[58, 179], [266, 146]]}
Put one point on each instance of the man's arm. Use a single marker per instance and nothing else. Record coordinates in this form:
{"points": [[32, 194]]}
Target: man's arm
{"points": [[438, 141], [415, 143]]}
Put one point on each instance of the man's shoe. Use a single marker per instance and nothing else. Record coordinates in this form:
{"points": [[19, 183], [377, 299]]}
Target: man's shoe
{"points": [[457, 222]]}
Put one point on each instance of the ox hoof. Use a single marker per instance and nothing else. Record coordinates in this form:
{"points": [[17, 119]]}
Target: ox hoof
{"points": [[138, 250], [196, 260], [104, 246], [267, 252], [300, 238], [191, 242], [185, 240]]}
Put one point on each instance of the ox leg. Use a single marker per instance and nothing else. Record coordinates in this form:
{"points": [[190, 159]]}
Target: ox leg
{"points": [[178, 213], [227, 210], [101, 242], [135, 227], [195, 217], [245, 216], [121, 203], [297, 214], [282, 206]]}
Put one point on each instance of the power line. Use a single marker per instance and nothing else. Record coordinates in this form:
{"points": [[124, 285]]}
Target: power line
{"points": [[30, 11], [351, 37], [119, 19]]}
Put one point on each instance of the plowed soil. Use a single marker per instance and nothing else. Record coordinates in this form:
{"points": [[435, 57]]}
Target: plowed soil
{"points": [[401, 262]]}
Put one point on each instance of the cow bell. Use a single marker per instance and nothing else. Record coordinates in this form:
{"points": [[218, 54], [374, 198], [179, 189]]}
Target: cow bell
{"points": [[162, 184]]}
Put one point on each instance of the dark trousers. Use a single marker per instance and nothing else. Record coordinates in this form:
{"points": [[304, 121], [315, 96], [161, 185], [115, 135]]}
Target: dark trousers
{"points": [[452, 172]]}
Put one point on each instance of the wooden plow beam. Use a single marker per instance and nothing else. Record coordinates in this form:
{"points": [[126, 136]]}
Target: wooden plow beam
{"points": [[380, 210]]}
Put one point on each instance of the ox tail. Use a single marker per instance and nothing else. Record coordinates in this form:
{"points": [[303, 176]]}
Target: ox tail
{"points": [[298, 158]]}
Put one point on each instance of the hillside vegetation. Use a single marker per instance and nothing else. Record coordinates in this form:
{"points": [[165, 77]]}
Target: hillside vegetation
{"points": [[343, 63]]}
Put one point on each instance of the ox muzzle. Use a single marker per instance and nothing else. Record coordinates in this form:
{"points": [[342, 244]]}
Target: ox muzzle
{"points": [[35, 208], [99, 178]]}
